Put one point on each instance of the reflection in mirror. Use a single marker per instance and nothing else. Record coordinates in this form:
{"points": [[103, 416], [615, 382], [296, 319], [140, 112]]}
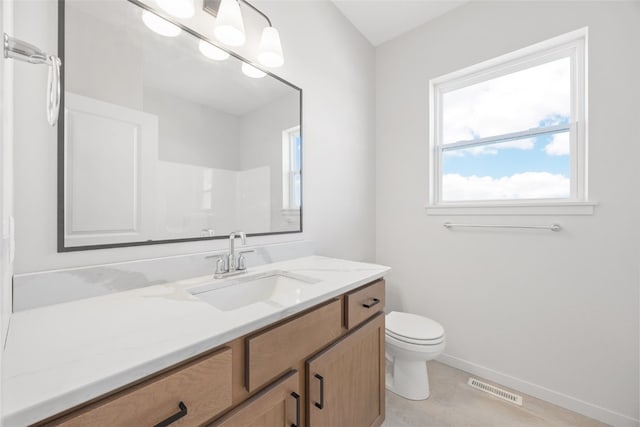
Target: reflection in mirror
{"points": [[167, 137]]}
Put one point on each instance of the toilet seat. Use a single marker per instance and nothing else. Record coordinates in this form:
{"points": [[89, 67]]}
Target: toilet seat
{"points": [[414, 341], [414, 329]]}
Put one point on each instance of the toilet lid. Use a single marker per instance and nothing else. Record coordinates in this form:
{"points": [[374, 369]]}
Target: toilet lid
{"points": [[413, 327]]}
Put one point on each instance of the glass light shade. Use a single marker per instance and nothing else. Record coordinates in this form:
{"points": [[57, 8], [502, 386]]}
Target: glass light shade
{"points": [[159, 25], [178, 8], [251, 71], [229, 28], [211, 51], [270, 50]]}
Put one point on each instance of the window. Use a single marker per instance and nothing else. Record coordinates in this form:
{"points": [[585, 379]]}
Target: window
{"points": [[511, 131], [291, 150]]}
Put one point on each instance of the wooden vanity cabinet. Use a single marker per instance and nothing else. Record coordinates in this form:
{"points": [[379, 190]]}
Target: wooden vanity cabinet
{"points": [[345, 382], [323, 367]]}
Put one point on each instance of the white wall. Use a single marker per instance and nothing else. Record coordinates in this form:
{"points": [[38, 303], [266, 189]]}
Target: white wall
{"points": [[325, 56], [552, 314], [6, 184]]}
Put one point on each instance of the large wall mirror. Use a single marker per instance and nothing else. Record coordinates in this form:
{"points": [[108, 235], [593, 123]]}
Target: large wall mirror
{"points": [[166, 140]]}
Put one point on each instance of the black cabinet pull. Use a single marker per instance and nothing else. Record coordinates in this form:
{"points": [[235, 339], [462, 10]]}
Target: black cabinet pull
{"points": [[375, 301], [321, 404], [296, 396], [175, 417]]}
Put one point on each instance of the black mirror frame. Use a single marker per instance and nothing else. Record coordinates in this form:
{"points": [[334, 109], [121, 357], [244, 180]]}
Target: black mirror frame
{"points": [[61, 143]]}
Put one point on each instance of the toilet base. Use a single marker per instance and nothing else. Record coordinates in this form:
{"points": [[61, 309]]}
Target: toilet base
{"points": [[408, 379]]}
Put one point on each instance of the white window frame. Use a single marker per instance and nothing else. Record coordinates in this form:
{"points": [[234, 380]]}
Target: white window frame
{"points": [[288, 174], [572, 45]]}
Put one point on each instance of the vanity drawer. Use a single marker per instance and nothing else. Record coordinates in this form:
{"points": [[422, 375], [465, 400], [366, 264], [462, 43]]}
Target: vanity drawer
{"points": [[272, 352], [203, 385], [363, 303]]}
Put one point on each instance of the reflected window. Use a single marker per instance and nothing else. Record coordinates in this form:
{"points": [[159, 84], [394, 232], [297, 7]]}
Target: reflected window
{"points": [[291, 162]]}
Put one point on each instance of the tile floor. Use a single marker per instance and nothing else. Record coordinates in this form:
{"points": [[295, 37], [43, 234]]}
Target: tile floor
{"points": [[454, 404]]}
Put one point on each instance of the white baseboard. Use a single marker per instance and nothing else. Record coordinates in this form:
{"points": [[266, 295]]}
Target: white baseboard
{"points": [[593, 411]]}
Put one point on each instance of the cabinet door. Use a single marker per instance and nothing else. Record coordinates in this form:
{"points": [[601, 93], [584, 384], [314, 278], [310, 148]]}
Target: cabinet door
{"points": [[276, 406], [346, 381]]}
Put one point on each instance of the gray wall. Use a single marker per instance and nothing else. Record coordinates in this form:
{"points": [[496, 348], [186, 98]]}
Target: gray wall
{"points": [[113, 58], [194, 134], [551, 314], [261, 145], [336, 71]]}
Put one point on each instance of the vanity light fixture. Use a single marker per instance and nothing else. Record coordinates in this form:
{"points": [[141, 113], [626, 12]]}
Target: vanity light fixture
{"points": [[229, 29], [251, 71], [159, 25], [270, 53], [178, 8], [211, 51]]}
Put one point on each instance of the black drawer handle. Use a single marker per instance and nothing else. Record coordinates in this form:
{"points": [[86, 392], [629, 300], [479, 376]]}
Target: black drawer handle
{"points": [[320, 405], [375, 301], [175, 417], [296, 396]]}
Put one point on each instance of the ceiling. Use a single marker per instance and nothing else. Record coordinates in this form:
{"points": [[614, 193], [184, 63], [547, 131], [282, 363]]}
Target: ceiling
{"points": [[383, 20]]}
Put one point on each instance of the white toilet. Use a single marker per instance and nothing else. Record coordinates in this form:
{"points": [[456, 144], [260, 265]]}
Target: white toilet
{"points": [[411, 340]]}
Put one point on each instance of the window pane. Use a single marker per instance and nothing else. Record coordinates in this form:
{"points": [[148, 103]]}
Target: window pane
{"points": [[528, 168], [296, 152], [527, 99], [297, 194]]}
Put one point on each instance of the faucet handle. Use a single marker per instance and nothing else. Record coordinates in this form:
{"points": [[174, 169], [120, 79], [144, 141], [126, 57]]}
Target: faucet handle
{"points": [[241, 260], [207, 232], [220, 263]]}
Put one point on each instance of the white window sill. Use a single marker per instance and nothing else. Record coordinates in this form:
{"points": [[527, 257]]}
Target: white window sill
{"points": [[511, 208], [295, 211]]}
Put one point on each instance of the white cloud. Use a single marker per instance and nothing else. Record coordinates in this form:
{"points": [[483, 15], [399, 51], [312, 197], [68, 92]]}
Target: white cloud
{"points": [[515, 102], [527, 185], [559, 145]]}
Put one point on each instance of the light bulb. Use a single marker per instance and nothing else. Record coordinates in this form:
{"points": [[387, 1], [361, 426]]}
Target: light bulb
{"points": [[270, 51], [251, 71], [159, 25], [229, 28], [178, 8], [211, 51]]}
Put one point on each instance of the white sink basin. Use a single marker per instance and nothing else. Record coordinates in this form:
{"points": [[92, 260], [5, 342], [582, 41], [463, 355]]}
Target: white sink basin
{"points": [[277, 288]]}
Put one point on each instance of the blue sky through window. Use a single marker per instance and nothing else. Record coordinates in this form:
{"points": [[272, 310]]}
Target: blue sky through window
{"points": [[526, 168], [497, 162]]}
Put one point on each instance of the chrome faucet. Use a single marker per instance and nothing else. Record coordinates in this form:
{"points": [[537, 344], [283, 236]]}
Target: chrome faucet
{"points": [[231, 264]]}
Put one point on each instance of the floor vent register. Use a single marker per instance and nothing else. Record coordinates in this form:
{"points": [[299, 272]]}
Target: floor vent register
{"points": [[495, 391]]}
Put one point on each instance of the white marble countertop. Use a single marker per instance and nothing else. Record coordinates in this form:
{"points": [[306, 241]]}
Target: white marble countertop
{"points": [[62, 355]]}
